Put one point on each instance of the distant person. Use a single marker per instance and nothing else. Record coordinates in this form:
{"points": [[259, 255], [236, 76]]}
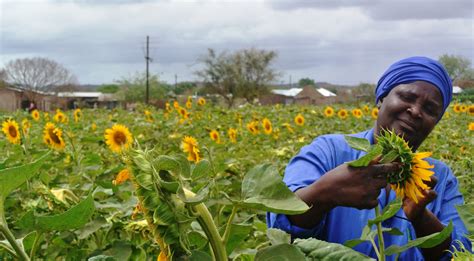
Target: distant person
{"points": [[412, 96], [32, 107]]}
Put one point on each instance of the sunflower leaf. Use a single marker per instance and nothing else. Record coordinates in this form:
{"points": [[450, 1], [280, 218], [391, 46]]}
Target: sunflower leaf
{"points": [[388, 211], [367, 158], [12, 178], [358, 143], [389, 157], [315, 249], [466, 212], [423, 242]]}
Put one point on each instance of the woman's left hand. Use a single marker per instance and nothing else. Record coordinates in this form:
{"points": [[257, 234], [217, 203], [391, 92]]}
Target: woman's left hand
{"points": [[415, 211]]}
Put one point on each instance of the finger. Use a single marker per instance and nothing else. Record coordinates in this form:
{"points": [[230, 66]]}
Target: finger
{"points": [[433, 181], [381, 170], [375, 160]]}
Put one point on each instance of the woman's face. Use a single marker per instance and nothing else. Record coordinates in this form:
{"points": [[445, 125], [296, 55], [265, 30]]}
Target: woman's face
{"points": [[411, 110]]}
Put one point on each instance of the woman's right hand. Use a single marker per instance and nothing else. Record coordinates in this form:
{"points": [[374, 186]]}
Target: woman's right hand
{"points": [[343, 186]]}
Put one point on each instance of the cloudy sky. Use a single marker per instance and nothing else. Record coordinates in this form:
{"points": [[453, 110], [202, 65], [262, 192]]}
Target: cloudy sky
{"points": [[338, 41]]}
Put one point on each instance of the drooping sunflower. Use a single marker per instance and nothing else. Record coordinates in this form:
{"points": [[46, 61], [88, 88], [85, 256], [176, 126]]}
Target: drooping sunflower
{"points": [[342, 114], [375, 113], [53, 136], [299, 120], [470, 110], [189, 145], [409, 180], [328, 112], [357, 113], [201, 101], [232, 135], [118, 138], [60, 116], [77, 115], [288, 127], [267, 126], [471, 126], [215, 136], [457, 108], [11, 130], [121, 177], [25, 126], [35, 114]]}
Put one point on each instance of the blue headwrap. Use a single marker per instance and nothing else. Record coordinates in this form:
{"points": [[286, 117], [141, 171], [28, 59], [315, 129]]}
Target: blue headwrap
{"points": [[413, 69]]}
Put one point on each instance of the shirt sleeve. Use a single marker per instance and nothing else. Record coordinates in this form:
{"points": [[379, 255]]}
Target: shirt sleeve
{"points": [[448, 212], [313, 161]]}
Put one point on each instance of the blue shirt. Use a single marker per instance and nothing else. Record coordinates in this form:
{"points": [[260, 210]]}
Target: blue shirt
{"points": [[344, 223]]}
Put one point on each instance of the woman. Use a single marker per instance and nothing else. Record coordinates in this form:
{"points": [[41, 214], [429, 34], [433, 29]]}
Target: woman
{"points": [[412, 96]]}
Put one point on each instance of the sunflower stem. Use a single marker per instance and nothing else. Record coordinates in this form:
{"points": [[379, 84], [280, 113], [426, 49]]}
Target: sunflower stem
{"points": [[380, 235], [9, 235]]}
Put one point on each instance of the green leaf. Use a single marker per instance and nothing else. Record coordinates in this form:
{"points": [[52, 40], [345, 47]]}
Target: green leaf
{"points": [[388, 211], [238, 233], [358, 143], [466, 212], [73, 218], [367, 158], [423, 242], [263, 189], [197, 255], [200, 196], [12, 178], [282, 252], [168, 163], [278, 236], [185, 166], [201, 170], [389, 157], [321, 250]]}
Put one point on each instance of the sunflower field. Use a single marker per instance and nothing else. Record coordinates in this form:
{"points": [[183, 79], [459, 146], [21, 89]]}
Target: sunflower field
{"points": [[190, 180]]}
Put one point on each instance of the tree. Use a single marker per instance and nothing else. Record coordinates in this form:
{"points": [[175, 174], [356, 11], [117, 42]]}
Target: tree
{"points": [[35, 75], [108, 88], [244, 73], [458, 67], [132, 88], [306, 81]]}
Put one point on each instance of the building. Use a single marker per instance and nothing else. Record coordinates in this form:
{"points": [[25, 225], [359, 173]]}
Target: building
{"points": [[308, 95]]}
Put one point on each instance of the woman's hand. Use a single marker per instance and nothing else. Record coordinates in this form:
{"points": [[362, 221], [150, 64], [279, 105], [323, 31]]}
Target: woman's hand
{"points": [[416, 211]]}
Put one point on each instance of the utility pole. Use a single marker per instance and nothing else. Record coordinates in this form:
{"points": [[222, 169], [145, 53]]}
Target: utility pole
{"points": [[175, 81], [147, 58]]}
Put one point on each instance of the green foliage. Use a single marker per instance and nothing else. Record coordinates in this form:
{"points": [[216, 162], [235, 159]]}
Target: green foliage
{"points": [[306, 81], [458, 67], [315, 249], [133, 88], [108, 88]]}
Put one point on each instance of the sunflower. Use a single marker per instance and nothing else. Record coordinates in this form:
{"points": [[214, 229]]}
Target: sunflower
{"points": [[299, 120], [357, 113], [409, 180], [93, 126], [471, 126], [375, 113], [176, 104], [11, 130], [457, 108], [189, 145], [201, 101], [232, 135], [25, 126], [148, 116], [121, 177], [215, 136], [328, 112], [60, 116], [366, 109], [267, 126], [118, 138], [77, 114], [189, 104], [184, 113], [342, 114], [168, 107], [253, 127], [35, 114], [470, 110], [45, 115], [53, 136], [463, 108]]}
